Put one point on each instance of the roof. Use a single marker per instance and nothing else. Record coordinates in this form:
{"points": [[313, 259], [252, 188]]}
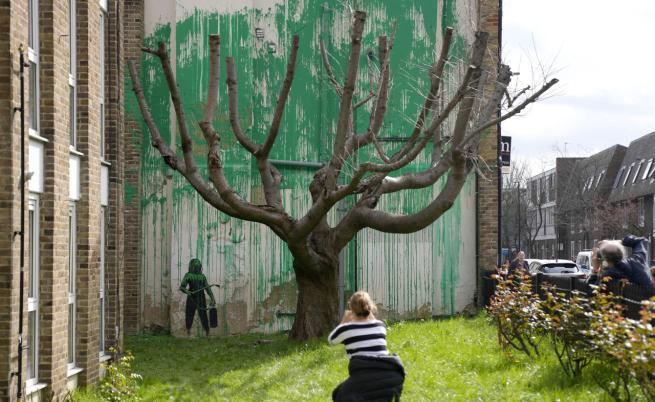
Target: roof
{"points": [[591, 178], [636, 176]]}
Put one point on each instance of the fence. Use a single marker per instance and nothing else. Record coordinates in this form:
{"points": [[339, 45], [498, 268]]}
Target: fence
{"points": [[629, 295]]}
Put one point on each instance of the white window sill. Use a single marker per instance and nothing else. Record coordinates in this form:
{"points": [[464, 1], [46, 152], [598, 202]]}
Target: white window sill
{"points": [[105, 357], [74, 371], [35, 136], [105, 162], [75, 151], [30, 389]]}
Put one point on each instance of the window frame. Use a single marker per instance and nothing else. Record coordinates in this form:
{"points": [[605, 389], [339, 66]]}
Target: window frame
{"points": [[101, 290], [72, 285], [72, 72], [32, 373], [33, 58], [102, 105]]}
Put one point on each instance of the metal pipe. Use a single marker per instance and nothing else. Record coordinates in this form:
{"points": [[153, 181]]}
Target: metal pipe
{"points": [[281, 162], [21, 283]]}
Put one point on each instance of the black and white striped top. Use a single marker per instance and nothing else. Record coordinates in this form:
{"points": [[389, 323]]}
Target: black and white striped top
{"points": [[362, 338]]}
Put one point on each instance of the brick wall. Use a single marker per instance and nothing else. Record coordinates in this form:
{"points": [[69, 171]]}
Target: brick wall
{"points": [[115, 151], [488, 150], [133, 25], [88, 207], [54, 115], [54, 201]]}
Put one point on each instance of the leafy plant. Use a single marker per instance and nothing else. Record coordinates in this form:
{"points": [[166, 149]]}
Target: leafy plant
{"points": [[642, 350], [120, 382], [516, 311], [566, 320]]}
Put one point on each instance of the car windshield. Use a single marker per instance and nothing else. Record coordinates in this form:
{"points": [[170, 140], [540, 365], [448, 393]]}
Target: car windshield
{"points": [[559, 267]]}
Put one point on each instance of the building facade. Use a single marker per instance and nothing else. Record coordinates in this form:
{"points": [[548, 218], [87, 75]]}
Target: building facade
{"points": [[66, 215], [546, 237], [432, 272]]}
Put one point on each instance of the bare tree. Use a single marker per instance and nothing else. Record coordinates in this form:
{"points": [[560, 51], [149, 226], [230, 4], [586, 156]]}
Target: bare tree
{"points": [[514, 222], [313, 243]]}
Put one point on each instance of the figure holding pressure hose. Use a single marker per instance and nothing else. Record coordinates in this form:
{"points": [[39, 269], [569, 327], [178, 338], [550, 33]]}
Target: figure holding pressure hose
{"points": [[194, 285]]}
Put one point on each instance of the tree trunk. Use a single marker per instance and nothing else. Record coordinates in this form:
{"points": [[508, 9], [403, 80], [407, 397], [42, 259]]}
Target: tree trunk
{"points": [[316, 311]]}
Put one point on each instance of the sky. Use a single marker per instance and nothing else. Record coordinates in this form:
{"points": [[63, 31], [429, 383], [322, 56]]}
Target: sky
{"points": [[602, 52]]}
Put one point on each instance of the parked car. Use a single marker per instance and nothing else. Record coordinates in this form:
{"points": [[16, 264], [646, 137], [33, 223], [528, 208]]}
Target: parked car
{"points": [[556, 268]]}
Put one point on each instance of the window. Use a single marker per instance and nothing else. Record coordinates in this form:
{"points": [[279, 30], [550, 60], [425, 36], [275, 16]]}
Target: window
{"points": [[636, 176], [33, 59], [101, 293], [641, 218], [33, 293], [647, 169], [72, 72], [627, 174], [72, 264], [103, 27], [573, 247], [618, 177], [600, 178]]}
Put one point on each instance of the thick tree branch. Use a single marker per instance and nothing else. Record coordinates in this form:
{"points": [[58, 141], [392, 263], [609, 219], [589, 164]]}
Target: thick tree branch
{"points": [[214, 76], [233, 102], [203, 188], [281, 101], [436, 74], [466, 107], [187, 143], [345, 106]]}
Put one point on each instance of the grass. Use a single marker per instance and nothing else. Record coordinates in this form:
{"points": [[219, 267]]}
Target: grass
{"points": [[455, 359]]}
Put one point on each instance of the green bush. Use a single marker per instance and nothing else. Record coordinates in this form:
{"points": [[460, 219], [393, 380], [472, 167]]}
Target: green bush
{"points": [[516, 311], [583, 331], [565, 320], [120, 383]]}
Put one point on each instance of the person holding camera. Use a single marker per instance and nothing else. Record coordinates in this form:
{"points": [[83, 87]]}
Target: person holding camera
{"points": [[610, 265], [374, 374]]}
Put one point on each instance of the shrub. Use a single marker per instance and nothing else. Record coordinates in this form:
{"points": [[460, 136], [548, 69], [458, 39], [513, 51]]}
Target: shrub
{"points": [[641, 351], [566, 321], [120, 383], [516, 311]]}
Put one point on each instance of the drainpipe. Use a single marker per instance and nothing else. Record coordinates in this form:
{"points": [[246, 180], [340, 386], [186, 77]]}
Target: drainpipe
{"points": [[21, 283], [298, 164]]}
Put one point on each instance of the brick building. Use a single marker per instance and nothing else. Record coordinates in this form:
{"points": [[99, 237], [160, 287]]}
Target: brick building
{"points": [[72, 230]]}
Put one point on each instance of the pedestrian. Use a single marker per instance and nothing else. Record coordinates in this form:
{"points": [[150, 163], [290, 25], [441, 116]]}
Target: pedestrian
{"points": [[374, 374], [610, 266], [194, 285], [519, 266]]}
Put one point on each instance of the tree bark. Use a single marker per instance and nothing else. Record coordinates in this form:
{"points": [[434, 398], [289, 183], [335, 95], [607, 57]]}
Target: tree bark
{"points": [[317, 307]]}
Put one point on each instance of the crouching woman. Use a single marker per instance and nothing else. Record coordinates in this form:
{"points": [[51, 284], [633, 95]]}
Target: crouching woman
{"points": [[374, 374]]}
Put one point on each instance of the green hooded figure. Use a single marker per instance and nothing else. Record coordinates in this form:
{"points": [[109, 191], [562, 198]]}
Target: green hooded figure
{"points": [[194, 285]]}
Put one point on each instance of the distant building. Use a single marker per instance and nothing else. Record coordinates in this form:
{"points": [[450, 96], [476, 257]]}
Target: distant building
{"points": [[587, 192], [546, 191]]}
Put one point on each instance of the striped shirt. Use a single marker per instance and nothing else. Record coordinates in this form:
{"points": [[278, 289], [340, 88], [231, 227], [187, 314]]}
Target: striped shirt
{"points": [[361, 338]]}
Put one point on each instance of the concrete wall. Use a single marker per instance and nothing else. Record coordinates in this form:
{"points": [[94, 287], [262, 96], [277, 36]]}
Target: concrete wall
{"points": [[419, 275]]}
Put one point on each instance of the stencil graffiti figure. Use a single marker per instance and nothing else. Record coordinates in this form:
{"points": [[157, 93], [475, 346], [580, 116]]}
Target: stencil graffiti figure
{"points": [[194, 285]]}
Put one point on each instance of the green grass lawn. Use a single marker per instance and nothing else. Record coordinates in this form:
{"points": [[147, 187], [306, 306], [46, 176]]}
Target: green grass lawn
{"points": [[454, 359]]}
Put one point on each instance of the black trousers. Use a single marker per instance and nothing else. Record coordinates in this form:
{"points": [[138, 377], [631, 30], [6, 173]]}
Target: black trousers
{"points": [[191, 306], [372, 379]]}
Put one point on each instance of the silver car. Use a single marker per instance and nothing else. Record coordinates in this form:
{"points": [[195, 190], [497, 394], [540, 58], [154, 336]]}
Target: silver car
{"points": [[556, 268]]}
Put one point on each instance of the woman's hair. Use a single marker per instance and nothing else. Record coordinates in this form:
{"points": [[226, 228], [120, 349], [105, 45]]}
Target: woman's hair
{"points": [[362, 305]]}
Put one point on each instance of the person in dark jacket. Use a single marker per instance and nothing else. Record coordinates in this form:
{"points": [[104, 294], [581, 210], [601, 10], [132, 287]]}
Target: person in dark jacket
{"points": [[374, 374], [610, 265], [519, 265], [194, 285]]}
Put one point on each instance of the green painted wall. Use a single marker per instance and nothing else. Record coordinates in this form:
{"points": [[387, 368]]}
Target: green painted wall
{"points": [[428, 273]]}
